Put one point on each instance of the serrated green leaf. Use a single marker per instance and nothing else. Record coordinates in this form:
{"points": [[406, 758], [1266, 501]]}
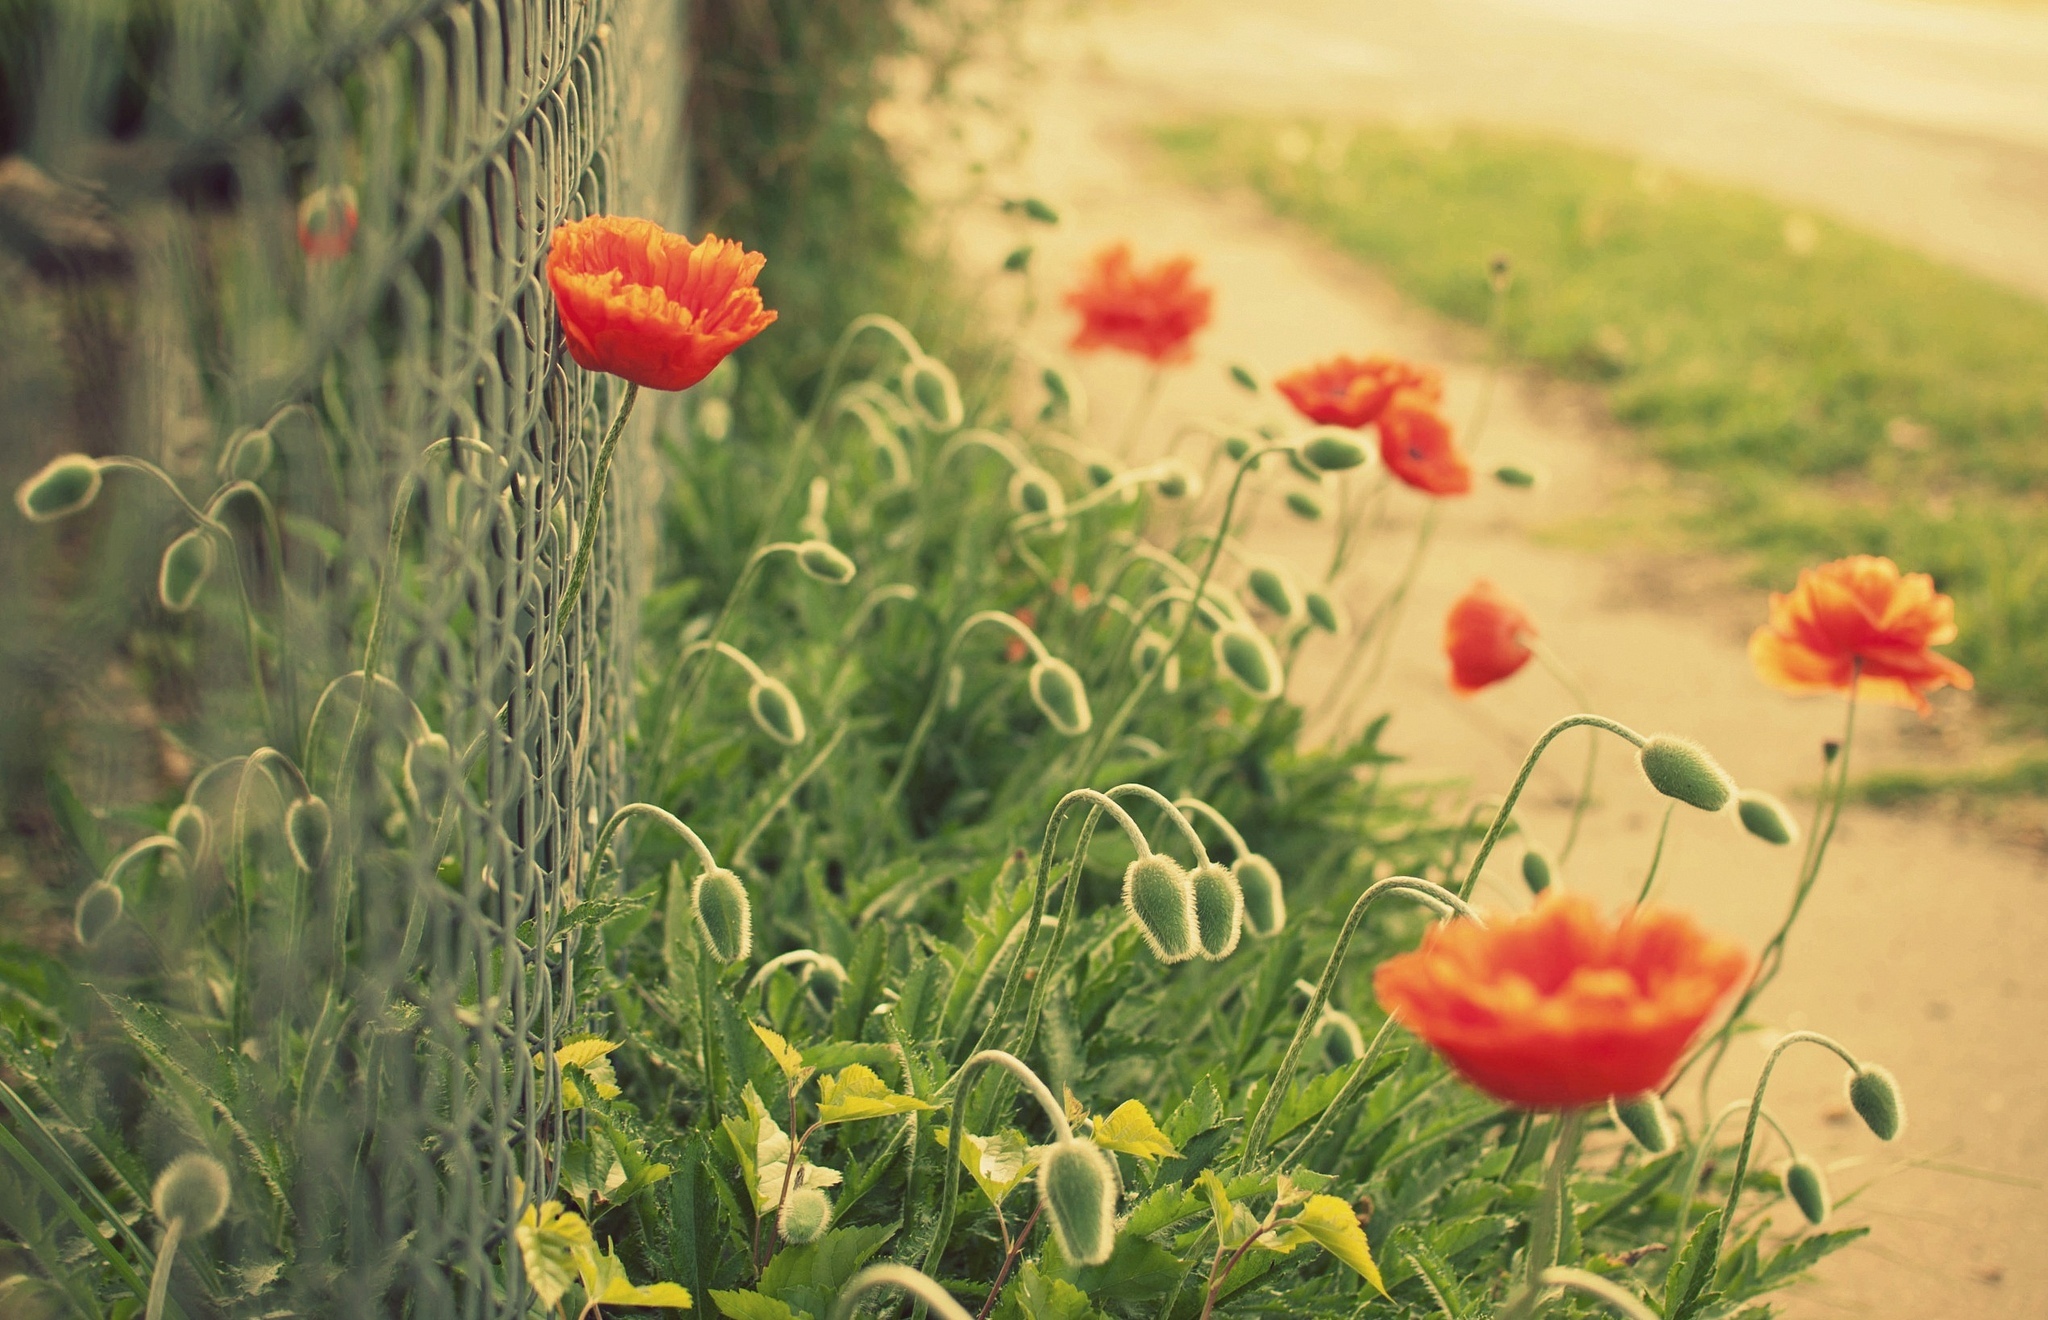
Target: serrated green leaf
{"points": [[1334, 1226], [857, 1093], [753, 1306], [1130, 1130]]}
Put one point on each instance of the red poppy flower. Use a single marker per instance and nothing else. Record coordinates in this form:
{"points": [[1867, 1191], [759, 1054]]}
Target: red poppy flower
{"points": [[1348, 391], [1483, 637], [1860, 609], [327, 222], [1560, 1007], [1416, 446], [649, 306], [1154, 313]]}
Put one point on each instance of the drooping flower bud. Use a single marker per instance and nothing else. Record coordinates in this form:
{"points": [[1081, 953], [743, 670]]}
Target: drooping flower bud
{"points": [[187, 563], [1520, 478], [1536, 871], [1322, 612], [774, 708], [1343, 1042], [1219, 910], [1100, 474], [825, 562], [192, 1190], [429, 773], [1059, 695], [190, 826], [1331, 452], [804, 1216], [1243, 377], [249, 455], [1078, 1190], [1019, 258], [930, 388], [1237, 446], [1682, 769], [1174, 483], [1265, 904], [1304, 505], [98, 908], [1162, 902], [308, 825], [1645, 1118], [1248, 657], [1766, 817], [1273, 591], [1874, 1095], [725, 917], [1808, 1188], [64, 485]]}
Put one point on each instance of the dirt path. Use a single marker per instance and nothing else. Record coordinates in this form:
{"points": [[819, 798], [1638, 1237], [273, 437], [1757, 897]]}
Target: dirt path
{"points": [[1926, 946]]}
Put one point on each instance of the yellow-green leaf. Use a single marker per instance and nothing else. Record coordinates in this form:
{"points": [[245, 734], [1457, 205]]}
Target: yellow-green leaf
{"points": [[605, 1282], [786, 1058], [997, 1163], [1130, 1129], [1234, 1223], [857, 1093], [583, 1053], [589, 1057], [551, 1246], [1335, 1228]]}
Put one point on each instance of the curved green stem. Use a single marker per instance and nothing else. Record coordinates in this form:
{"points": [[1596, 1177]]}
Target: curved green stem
{"points": [[1353, 1085], [656, 814], [950, 1195], [1756, 1109], [930, 715], [1237, 844], [1507, 806], [1172, 812], [1605, 1290], [160, 1277], [593, 511], [1546, 1231], [921, 1286], [1574, 690]]}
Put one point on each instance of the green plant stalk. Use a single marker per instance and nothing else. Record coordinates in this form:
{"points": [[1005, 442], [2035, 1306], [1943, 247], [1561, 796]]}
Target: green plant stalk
{"points": [[1429, 892], [593, 511], [1354, 1085], [951, 1192], [715, 644], [1606, 1290], [920, 1286], [788, 793], [34, 1168], [160, 1277], [1756, 1113], [1656, 856], [1546, 1231], [1507, 806], [1689, 1189], [651, 812], [925, 720], [1577, 693]]}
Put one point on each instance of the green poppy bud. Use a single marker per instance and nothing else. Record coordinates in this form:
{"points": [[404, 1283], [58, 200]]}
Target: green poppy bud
{"points": [[1343, 1042], [1173, 485], [1304, 505], [63, 486], [1681, 769], [1766, 817], [713, 419], [192, 829], [1078, 1190], [1243, 377], [1874, 1095], [1519, 478], [1273, 591], [929, 387], [97, 910], [1644, 1118], [1160, 899], [1219, 910], [774, 708], [187, 563], [1033, 491], [250, 456], [825, 562], [1100, 474], [1536, 871], [429, 773], [1265, 904], [1237, 447], [1808, 1188], [1330, 452], [308, 825], [1248, 657], [1059, 394], [725, 917], [192, 1190], [1322, 612], [1037, 210], [1019, 259], [804, 1216], [1056, 690]]}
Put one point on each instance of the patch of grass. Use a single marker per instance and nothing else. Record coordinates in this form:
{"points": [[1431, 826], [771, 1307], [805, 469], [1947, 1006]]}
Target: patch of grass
{"points": [[1826, 392], [2026, 776]]}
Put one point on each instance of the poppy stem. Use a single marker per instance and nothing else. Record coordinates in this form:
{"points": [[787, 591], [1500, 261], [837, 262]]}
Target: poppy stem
{"points": [[160, 1277], [1657, 857], [1572, 688], [951, 1193], [1608, 1291], [1353, 1086], [908, 761], [1507, 806], [1756, 1113], [594, 510], [1546, 1230]]}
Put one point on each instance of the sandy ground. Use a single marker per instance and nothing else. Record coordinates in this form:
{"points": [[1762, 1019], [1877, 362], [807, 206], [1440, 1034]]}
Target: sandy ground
{"points": [[1926, 946]]}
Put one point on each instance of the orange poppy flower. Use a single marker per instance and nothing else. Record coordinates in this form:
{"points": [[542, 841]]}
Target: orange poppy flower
{"points": [[327, 222], [1348, 391], [649, 306], [1483, 637], [1560, 1007], [1416, 445], [1860, 609], [1153, 313], [1016, 649]]}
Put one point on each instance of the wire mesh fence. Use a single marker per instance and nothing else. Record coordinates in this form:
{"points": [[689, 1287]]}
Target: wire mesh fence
{"points": [[313, 743]]}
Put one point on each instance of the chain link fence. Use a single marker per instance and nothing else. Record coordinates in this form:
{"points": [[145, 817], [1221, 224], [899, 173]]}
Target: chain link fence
{"points": [[277, 266]]}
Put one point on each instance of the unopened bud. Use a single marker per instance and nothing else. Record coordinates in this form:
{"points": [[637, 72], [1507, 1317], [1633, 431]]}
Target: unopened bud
{"points": [[1500, 272], [804, 1216], [1343, 1042], [1035, 209], [1219, 910], [1330, 452], [63, 486], [1766, 817], [1681, 769], [1265, 903], [1304, 505], [1237, 447], [1273, 591], [1322, 612], [1019, 259], [1645, 1118], [1032, 490], [1536, 871], [1242, 376], [1162, 902], [1808, 1188], [1174, 484], [308, 825], [825, 562], [713, 419], [1057, 692], [1874, 1095], [1248, 657], [429, 772], [192, 1190], [192, 829], [98, 909], [1830, 748], [187, 563], [930, 388], [1520, 478], [774, 708], [725, 918], [1100, 474], [1078, 1190], [249, 456]]}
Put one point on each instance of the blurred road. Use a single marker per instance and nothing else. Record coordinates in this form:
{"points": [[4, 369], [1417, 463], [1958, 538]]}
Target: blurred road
{"points": [[1924, 122]]}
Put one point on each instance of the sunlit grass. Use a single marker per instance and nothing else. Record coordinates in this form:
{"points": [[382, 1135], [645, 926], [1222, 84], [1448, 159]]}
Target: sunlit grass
{"points": [[1826, 392]]}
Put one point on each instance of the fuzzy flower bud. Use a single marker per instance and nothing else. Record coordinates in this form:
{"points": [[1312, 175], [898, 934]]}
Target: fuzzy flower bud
{"points": [[1330, 452], [1242, 376], [1808, 1188], [804, 1216], [1032, 490], [1536, 871], [825, 562], [1304, 505], [774, 708], [1645, 1118], [187, 563], [1265, 904], [1874, 1095], [1273, 591], [725, 918], [1161, 900], [1681, 769], [63, 486], [1219, 910], [193, 1190], [98, 908], [308, 825], [1322, 612], [1520, 478], [1236, 447], [1343, 1042], [1174, 483], [1057, 691], [1078, 1190], [1766, 817], [429, 773], [1248, 657]]}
